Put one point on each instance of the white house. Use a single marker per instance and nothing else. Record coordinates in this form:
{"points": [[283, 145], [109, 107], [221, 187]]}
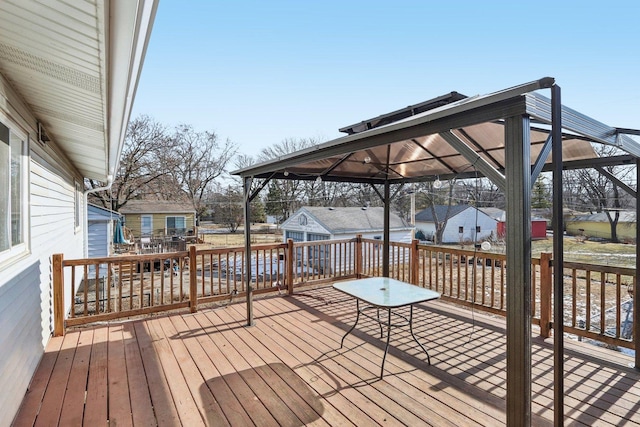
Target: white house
{"points": [[312, 223], [465, 223], [321, 223], [68, 76]]}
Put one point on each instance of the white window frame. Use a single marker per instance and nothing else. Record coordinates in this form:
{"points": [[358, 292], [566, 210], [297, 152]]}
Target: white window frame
{"points": [[142, 231], [77, 203], [166, 221], [8, 256]]}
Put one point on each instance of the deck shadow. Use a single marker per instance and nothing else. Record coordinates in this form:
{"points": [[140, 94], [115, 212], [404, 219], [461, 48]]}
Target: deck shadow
{"points": [[286, 389]]}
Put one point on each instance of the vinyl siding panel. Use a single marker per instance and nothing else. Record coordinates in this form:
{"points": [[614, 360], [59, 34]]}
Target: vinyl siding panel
{"points": [[26, 306], [466, 219]]}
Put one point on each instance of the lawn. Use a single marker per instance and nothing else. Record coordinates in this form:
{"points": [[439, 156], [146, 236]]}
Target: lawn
{"points": [[601, 253]]}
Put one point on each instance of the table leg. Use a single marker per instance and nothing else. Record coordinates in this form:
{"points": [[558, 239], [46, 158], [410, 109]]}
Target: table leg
{"points": [[386, 348], [379, 322], [414, 337], [354, 325]]}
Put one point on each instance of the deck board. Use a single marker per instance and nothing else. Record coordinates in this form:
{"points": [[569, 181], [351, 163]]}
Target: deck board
{"points": [[353, 369], [35, 393], [208, 368], [54, 397], [74, 398]]}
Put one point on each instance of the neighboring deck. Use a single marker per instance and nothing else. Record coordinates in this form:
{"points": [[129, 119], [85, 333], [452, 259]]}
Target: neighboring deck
{"points": [[207, 368]]}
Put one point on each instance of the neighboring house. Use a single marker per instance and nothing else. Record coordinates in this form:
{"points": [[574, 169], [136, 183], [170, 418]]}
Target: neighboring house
{"points": [[68, 76], [538, 224], [465, 223], [597, 225], [148, 218], [102, 224], [311, 223]]}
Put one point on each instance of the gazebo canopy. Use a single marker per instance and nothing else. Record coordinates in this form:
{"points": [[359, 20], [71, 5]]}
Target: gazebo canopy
{"points": [[451, 139]]}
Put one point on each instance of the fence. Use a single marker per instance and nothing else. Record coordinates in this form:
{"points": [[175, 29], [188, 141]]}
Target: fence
{"points": [[597, 303]]}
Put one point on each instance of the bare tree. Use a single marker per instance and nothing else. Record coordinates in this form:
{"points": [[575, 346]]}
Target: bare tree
{"points": [[594, 191], [140, 166], [285, 196], [197, 159]]}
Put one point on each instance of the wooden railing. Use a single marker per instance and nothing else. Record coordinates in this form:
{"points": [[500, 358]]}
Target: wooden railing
{"points": [[596, 306]]}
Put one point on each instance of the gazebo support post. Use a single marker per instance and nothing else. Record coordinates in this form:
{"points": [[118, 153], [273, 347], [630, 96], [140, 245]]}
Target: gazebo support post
{"points": [[247, 248], [636, 284], [518, 224], [387, 234], [558, 258]]}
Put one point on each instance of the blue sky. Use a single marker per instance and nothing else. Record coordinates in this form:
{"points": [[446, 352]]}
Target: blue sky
{"points": [[258, 72]]}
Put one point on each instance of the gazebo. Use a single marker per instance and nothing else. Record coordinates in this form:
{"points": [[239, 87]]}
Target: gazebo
{"points": [[510, 137]]}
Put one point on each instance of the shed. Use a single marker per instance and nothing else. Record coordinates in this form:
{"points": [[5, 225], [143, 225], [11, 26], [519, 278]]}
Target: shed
{"points": [[538, 224], [465, 223], [101, 223]]}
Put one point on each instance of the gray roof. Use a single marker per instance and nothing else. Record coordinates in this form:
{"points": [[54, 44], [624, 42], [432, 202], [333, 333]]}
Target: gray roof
{"points": [[625, 216], [426, 215], [353, 219], [495, 213], [155, 206], [98, 213]]}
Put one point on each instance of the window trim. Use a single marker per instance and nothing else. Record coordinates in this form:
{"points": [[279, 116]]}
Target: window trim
{"points": [[78, 205], [142, 231], [8, 256]]}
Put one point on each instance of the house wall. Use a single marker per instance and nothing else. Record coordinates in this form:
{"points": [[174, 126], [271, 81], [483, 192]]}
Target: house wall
{"points": [[468, 220], [159, 221], [99, 238], [26, 304], [625, 230]]}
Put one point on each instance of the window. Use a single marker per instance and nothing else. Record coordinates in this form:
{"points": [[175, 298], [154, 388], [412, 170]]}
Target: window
{"points": [[176, 224], [477, 228], [296, 236], [78, 204], [302, 220], [12, 192], [146, 225], [460, 230]]}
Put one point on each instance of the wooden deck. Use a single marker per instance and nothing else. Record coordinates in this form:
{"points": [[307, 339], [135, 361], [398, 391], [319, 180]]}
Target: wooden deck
{"points": [[207, 368]]}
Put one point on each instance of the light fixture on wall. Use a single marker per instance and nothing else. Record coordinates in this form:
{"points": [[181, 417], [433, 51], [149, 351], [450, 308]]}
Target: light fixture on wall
{"points": [[286, 173], [437, 183], [319, 179]]}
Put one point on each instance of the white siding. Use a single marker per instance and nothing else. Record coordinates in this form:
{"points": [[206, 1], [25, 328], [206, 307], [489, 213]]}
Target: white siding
{"points": [[26, 306], [466, 219], [99, 238]]}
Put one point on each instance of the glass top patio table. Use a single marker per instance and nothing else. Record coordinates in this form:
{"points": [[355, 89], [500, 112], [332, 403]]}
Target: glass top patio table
{"points": [[386, 292], [383, 293]]}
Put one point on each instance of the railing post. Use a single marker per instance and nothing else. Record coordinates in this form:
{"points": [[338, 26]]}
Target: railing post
{"points": [[414, 262], [546, 290], [358, 256], [58, 295], [193, 279], [289, 261]]}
